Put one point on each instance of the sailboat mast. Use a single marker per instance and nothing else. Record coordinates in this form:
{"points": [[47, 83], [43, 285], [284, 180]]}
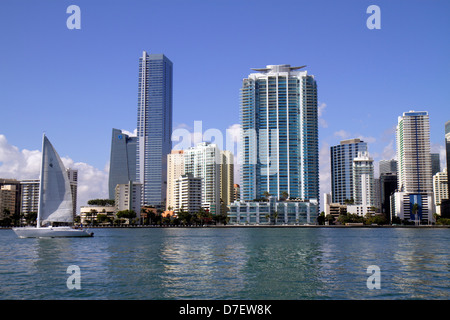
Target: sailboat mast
{"points": [[41, 185]]}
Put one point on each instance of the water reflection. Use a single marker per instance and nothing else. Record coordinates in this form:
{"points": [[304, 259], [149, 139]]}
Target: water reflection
{"points": [[420, 266], [254, 263], [204, 264]]}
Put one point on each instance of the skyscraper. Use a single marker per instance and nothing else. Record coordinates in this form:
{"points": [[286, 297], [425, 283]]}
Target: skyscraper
{"points": [[447, 146], [122, 163], [342, 157], [445, 203], [203, 161], [388, 186], [435, 163], [414, 199], [363, 182], [413, 153], [226, 177], [175, 168], [128, 197], [188, 193], [154, 126], [388, 166], [279, 134], [73, 181]]}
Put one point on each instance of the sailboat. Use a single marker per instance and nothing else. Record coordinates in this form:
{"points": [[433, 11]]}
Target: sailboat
{"points": [[55, 200]]}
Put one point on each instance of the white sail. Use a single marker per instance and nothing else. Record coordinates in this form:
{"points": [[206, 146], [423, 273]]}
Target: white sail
{"points": [[55, 202]]}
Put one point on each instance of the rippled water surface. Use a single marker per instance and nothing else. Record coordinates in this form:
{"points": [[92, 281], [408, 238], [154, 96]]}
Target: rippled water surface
{"points": [[229, 263]]}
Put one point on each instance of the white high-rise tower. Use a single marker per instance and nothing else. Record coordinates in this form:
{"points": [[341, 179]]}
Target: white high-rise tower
{"points": [[414, 199]]}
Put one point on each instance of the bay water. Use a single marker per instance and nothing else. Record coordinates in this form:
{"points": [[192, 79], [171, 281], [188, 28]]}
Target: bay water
{"points": [[229, 263]]}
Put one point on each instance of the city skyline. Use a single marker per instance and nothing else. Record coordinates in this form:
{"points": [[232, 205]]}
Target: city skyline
{"points": [[69, 76]]}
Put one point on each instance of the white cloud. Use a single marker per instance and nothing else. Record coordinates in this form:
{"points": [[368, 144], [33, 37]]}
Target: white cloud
{"points": [[18, 164], [25, 164], [366, 139], [321, 110], [92, 182], [342, 134], [129, 133], [389, 151]]}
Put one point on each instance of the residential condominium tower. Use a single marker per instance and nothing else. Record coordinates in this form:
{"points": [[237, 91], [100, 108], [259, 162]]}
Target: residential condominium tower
{"points": [[447, 146], [279, 134], [226, 177], [440, 188], [413, 153], [414, 199], [188, 194], [203, 161], [154, 126], [445, 203], [363, 181], [175, 168], [342, 157]]}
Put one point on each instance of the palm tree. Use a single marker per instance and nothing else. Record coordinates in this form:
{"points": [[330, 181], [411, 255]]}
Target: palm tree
{"points": [[266, 195], [284, 195], [415, 210], [91, 214], [275, 216]]}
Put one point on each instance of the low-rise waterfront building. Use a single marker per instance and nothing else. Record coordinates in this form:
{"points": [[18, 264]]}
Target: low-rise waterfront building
{"points": [[90, 214], [360, 210], [273, 212]]}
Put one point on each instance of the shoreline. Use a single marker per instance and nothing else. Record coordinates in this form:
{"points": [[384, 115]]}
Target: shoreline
{"points": [[259, 226]]}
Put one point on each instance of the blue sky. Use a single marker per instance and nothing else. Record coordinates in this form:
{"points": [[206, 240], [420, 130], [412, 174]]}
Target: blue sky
{"points": [[76, 85]]}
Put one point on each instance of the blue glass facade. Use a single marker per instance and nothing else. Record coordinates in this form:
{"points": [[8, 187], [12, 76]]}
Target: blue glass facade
{"points": [[279, 142], [154, 126], [122, 165]]}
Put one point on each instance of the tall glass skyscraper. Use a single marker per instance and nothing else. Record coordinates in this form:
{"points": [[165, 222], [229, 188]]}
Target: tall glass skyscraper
{"points": [[122, 164], [445, 203], [279, 134], [154, 126], [342, 157]]}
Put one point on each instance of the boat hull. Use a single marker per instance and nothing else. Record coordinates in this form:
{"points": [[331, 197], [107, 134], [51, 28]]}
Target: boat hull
{"points": [[51, 232]]}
